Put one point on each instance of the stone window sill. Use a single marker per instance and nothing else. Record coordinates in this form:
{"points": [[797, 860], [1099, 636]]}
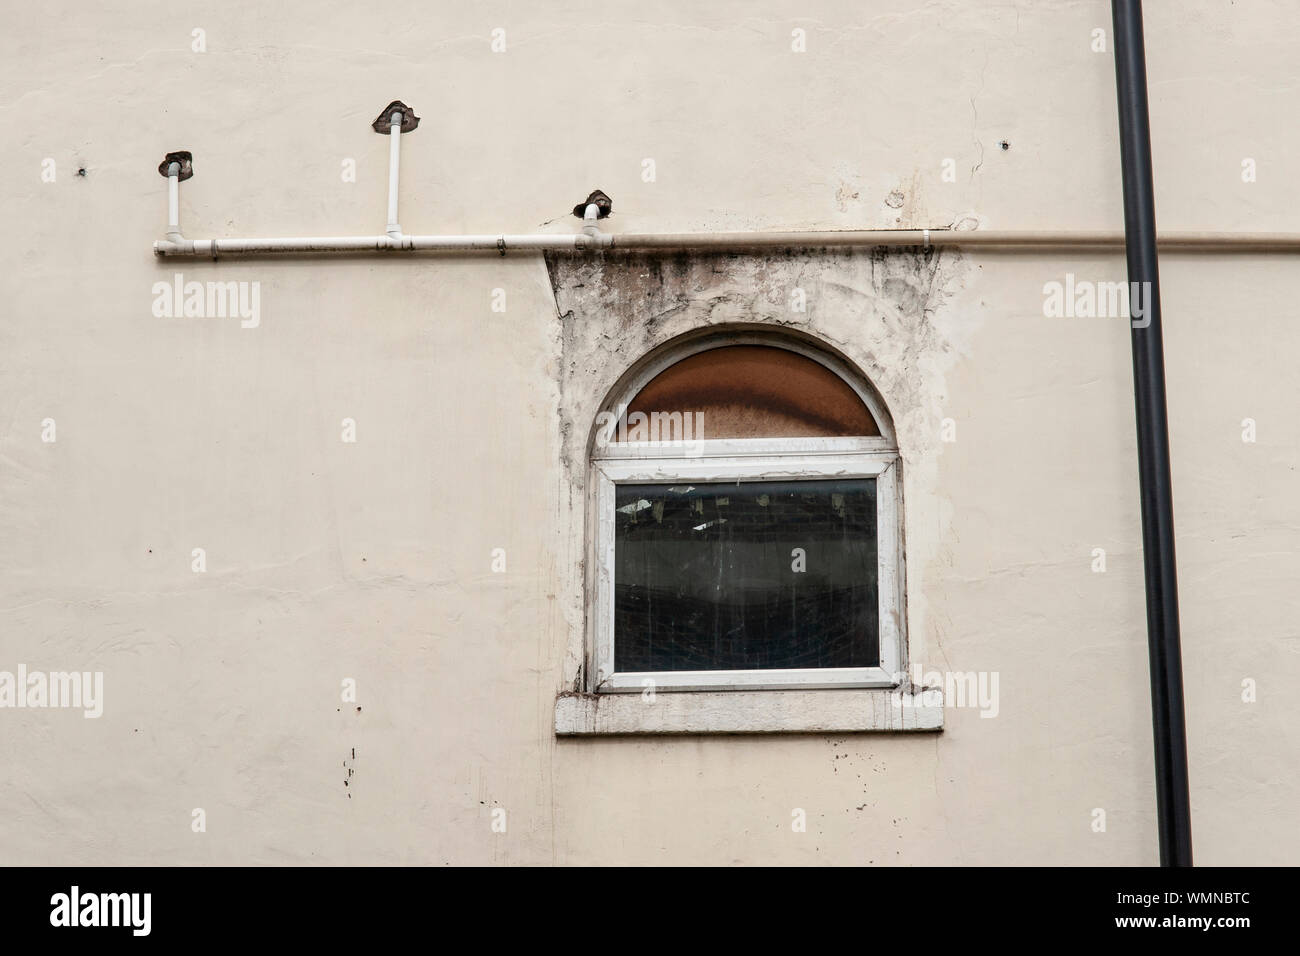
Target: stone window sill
{"points": [[870, 710]]}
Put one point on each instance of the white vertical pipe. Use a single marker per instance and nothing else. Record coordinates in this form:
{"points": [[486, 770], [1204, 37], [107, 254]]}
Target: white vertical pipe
{"points": [[174, 201], [589, 217], [394, 160]]}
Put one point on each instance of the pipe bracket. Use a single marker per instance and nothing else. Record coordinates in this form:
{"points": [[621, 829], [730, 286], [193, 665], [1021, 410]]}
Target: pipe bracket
{"points": [[384, 123], [604, 205], [184, 158]]}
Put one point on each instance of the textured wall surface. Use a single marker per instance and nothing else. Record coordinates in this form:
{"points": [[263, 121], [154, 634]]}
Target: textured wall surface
{"points": [[372, 560]]}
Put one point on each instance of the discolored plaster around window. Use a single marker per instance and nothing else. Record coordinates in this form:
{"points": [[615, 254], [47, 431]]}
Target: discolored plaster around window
{"points": [[885, 313], [876, 308]]}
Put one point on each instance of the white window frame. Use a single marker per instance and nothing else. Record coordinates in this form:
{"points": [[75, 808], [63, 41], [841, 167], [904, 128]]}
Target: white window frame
{"points": [[750, 459], [767, 460]]}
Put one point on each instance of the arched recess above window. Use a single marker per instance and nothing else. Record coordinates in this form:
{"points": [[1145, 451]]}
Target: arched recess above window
{"points": [[757, 391], [742, 388]]}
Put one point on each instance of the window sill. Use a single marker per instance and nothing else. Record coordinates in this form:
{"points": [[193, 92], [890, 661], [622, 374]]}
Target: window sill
{"points": [[873, 710]]}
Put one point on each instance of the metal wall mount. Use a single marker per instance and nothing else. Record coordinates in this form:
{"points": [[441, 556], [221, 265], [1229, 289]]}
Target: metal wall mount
{"points": [[184, 158], [384, 122]]}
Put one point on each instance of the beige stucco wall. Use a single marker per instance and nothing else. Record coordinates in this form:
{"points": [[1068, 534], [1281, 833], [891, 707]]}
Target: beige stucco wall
{"points": [[372, 561]]}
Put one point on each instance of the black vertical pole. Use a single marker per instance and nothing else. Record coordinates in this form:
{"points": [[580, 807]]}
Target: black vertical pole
{"points": [[1173, 807]]}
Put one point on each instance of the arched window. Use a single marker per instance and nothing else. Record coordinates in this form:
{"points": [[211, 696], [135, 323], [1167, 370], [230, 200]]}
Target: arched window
{"points": [[746, 497]]}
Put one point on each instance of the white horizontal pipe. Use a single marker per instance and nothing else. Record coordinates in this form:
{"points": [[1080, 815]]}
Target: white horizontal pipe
{"points": [[394, 161], [1027, 241], [216, 248]]}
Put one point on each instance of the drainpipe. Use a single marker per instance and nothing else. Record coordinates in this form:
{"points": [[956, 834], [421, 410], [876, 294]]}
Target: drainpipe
{"points": [[1173, 807]]}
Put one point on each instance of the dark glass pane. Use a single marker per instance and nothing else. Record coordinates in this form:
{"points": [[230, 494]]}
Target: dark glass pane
{"points": [[705, 578]]}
